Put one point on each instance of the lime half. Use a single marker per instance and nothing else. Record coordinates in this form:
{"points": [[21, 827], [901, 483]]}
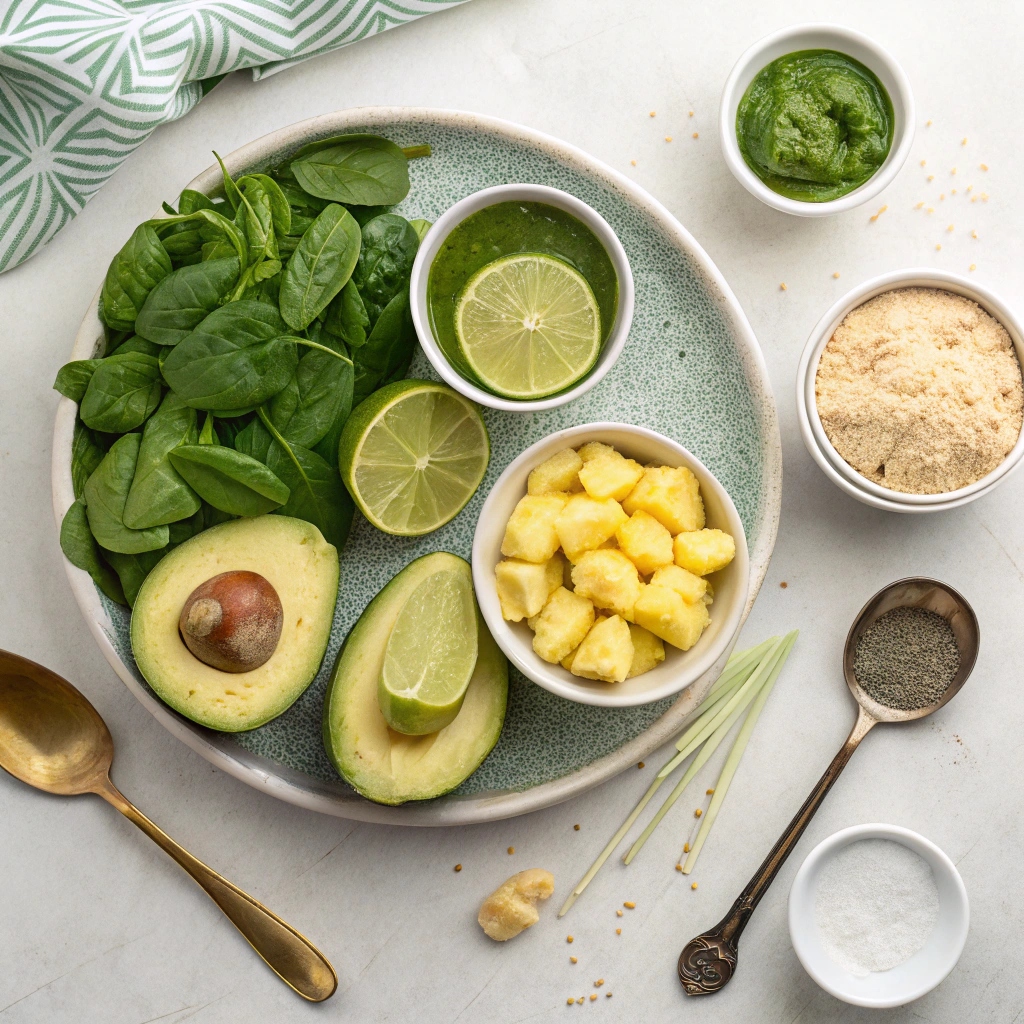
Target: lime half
{"points": [[431, 654], [528, 326], [412, 455]]}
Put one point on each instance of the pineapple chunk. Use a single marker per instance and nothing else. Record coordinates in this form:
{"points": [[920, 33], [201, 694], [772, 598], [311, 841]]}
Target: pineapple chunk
{"points": [[704, 551], [584, 524], [524, 587], [645, 542], [648, 651], [562, 624], [663, 612], [671, 495], [609, 579], [530, 534], [571, 656], [559, 473], [689, 587], [609, 475], [606, 653], [592, 449]]}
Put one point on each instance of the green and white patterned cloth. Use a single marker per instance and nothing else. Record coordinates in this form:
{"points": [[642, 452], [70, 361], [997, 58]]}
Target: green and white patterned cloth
{"points": [[84, 82]]}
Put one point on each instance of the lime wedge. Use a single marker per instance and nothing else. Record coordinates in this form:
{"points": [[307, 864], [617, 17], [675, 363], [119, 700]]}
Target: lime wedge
{"points": [[430, 655], [412, 455], [528, 326]]}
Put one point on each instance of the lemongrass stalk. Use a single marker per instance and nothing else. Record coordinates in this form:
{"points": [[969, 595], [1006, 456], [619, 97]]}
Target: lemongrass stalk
{"points": [[733, 760], [711, 703], [739, 663], [710, 744]]}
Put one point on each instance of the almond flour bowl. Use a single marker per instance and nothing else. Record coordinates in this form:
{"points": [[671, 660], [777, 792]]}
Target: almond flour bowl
{"points": [[942, 452]]}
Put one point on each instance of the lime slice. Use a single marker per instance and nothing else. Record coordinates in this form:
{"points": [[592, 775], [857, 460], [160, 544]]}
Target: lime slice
{"points": [[412, 455], [431, 654], [528, 326]]}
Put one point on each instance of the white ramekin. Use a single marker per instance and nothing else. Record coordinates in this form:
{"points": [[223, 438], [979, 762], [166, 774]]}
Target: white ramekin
{"points": [[464, 208], [835, 467], [907, 981], [818, 37], [680, 668]]}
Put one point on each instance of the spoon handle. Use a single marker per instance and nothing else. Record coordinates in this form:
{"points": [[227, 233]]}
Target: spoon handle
{"points": [[291, 956], [707, 962]]}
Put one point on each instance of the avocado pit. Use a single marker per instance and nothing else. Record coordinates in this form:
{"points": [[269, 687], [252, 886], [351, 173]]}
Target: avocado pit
{"points": [[233, 621]]}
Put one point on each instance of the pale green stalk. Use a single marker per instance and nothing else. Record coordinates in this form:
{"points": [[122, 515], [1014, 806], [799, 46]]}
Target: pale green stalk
{"points": [[743, 661], [732, 762], [719, 730]]}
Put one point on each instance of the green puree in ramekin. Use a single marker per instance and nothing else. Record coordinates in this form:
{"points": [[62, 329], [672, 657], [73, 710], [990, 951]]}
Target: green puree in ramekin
{"points": [[814, 125]]}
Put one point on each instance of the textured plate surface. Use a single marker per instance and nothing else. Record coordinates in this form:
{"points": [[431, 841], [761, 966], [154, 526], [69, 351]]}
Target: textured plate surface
{"points": [[691, 369]]}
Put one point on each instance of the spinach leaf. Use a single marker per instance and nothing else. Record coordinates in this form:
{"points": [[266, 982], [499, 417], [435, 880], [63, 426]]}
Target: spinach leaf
{"points": [[208, 435], [299, 200], [86, 455], [123, 393], [364, 214], [254, 440], [421, 227], [389, 245], [73, 378], [132, 570], [158, 494], [132, 274], [106, 492], [280, 210], [228, 428], [229, 480], [346, 316], [136, 344], [190, 200], [320, 266], [183, 299], [314, 398], [214, 517], [221, 236], [364, 170], [388, 351], [317, 493], [235, 359], [81, 550]]}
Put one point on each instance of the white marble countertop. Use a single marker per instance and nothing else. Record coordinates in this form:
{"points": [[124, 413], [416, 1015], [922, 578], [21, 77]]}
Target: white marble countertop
{"points": [[97, 925]]}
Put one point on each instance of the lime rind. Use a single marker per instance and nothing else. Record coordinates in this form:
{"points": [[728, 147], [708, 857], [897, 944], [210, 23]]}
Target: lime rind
{"points": [[528, 326]]}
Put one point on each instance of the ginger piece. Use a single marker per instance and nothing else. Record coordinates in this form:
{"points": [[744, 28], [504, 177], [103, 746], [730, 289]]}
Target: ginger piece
{"points": [[512, 907]]}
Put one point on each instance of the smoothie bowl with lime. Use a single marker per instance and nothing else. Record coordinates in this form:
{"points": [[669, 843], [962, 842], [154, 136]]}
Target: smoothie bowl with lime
{"points": [[522, 297]]}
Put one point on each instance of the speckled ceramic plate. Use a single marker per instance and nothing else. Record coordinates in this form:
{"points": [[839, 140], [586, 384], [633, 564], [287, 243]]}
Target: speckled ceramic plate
{"points": [[691, 369]]}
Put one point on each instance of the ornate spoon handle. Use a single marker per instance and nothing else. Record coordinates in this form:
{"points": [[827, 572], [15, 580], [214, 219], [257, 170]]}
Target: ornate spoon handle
{"points": [[708, 962]]}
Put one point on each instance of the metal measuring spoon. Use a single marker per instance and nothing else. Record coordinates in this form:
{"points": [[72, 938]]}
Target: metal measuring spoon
{"points": [[52, 738], [708, 962]]}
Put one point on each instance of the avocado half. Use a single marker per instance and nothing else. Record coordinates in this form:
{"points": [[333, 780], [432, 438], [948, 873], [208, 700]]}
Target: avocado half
{"points": [[386, 766], [300, 565]]}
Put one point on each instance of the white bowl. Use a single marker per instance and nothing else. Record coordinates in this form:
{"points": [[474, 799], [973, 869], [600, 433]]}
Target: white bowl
{"points": [[443, 227], [818, 37], [836, 468], [907, 981], [680, 668]]}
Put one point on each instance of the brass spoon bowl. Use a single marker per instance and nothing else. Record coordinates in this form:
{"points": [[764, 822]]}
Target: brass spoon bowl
{"points": [[52, 738], [708, 962]]}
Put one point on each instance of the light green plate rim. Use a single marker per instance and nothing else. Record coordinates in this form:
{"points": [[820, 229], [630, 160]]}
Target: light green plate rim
{"points": [[717, 402]]}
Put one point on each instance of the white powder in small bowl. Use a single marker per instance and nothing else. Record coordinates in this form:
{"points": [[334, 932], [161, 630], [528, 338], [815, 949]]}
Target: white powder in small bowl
{"points": [[875, 905]]}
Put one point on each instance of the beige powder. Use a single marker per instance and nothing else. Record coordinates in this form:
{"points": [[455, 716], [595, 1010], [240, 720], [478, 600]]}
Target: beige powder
{"points": [[920, 391]]}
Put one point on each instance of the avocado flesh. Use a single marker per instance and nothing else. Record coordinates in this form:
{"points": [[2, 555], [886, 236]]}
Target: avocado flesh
{"points": [[300, 565], [386, 766]]}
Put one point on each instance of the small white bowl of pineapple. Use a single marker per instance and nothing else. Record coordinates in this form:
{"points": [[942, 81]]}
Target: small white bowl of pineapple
{"points": [[610, 565]]}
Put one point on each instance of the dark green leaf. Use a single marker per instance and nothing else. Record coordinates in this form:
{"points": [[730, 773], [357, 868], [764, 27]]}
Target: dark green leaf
{"points": [[73, 378], [254, 440], [317, 493], [229, 480], [208, 435], [389, 245], [228, 428], [190, 200], [122, 393], [235, 359], [421, 227], [388, 351], [136, 344], [298, 199], [132, 275], [314, 398], [320, 266], [133, 570], [364, 214], [81, 550], [86, 455], [364, 170], [106, 492], [280, 210], [183, 299], [158, 494], [214, 516], [346, 316]]}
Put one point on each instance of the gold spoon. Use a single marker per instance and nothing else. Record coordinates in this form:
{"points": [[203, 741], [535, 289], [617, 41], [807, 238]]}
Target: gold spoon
{"points": [[52, 738], [708, 962]]}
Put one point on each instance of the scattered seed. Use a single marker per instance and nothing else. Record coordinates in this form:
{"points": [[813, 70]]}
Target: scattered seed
{"points": [[618, 931], [942, 196], [953, 171], [937, 247], [640, 764], [970, 188], [919, 205], [963, 142], [697, 813], [931, 209], [580, 1000], [599, 983], [686, 847], [618, 913], [629, 905], [568, 938], [668, 138], [570, 1001], [783, 584], [653, 113], [709, 792], [511, 850], [575, 828], [633, 163], [952, 192], [950, 228], [691, 113], [973, 266], [573, 959], [696, 135], [782, 286], [974, 234], [835, 274], [593, 996], [984, 197], [693, 885], [607, 995], [923, 162], [458, 867], [931, 177], [927, 124], [984, 167], [679, 867]]}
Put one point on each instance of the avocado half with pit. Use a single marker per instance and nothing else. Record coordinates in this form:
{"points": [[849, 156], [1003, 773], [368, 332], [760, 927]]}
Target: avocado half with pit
{"points": [[386, 766], [299, 565]]}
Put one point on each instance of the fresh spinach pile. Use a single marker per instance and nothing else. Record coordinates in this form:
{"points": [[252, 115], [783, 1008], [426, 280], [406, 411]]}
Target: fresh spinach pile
{"points": [[240, 333]]}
